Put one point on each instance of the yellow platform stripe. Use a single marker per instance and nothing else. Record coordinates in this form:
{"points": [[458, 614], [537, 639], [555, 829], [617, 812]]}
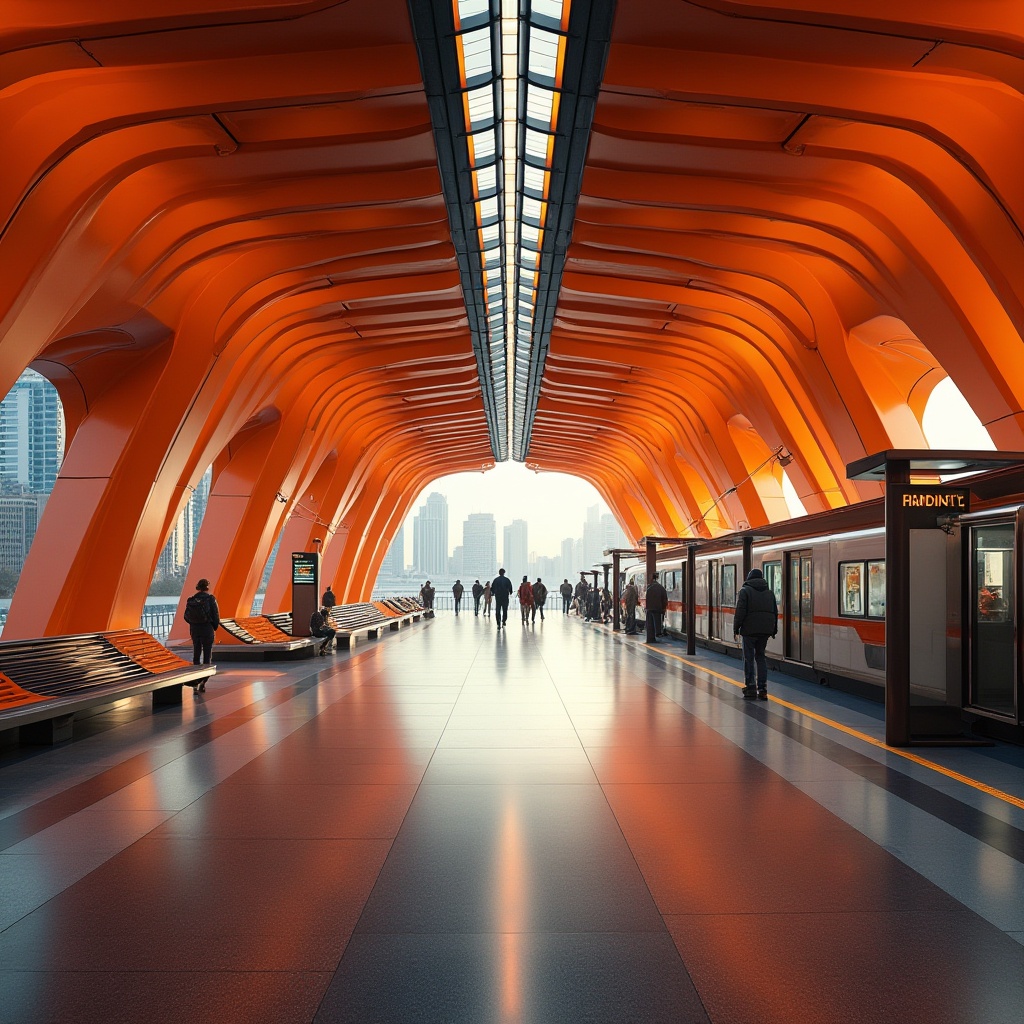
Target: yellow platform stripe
{"points": [[898, 751]]}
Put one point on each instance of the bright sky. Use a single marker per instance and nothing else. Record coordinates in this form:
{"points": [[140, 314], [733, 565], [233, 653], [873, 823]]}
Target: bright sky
{"points": [[554, 504]]}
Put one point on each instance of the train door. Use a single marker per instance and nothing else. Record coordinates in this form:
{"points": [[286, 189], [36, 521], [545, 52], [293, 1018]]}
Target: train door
{"points": [[799, 609], [992, 602], [714, 599]]}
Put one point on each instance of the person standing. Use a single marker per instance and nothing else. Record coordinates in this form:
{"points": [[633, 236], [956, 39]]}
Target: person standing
{"points": [[427, 598], [501, 588], [757, 619], [203, 618], [580, 594], [540, 595], [487, 598], [566, 591], [457, 591], [656, 599], [478, 592], [630, 598], [525, 599]]}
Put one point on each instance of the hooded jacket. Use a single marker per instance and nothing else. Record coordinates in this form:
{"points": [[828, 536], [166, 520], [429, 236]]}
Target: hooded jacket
{"points": [[757, 612]]}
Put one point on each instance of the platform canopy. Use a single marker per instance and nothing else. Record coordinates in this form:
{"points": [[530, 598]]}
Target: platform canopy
{"points": [[681, 250]]}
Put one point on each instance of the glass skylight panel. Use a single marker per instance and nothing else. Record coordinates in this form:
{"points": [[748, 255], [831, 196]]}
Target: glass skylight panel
{"points": [[486, 180], [488, 209], [550, 9], [534, 181], [476, 54], [469, 9], [540, 105], [536, 146], [484, 146], [481, 106], [532, 209], [543, 58]]}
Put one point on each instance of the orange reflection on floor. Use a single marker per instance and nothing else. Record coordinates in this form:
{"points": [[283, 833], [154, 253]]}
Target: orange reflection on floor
{"points": [[511, 910]]}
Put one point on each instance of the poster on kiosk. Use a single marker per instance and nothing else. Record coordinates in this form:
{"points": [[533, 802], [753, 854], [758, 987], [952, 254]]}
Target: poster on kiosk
{"points": [[305, 589]]}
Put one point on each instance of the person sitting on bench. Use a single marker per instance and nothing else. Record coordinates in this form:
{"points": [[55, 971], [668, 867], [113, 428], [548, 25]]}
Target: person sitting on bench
{"points": [[319, 626]]}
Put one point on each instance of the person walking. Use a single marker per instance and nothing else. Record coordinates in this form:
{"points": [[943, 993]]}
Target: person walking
{"points": [[501, 588], [478, 592], [457, 591], [487, 598], [525, 599], [320, 627], [756, 619], [656, 600], [203, 618], [540, 595], [630, 598], [566, 591]]}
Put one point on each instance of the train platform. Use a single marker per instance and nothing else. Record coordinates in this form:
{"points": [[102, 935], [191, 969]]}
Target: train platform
{"points": [[550, 823]]}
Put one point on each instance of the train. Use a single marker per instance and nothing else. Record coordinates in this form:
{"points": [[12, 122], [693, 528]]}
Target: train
{"points": [[828, 573]]}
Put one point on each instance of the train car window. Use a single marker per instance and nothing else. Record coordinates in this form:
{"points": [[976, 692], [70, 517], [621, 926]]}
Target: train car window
{"points": [[862, 589], [876, 589], [851, 589], [728, 586], [773, 574]]}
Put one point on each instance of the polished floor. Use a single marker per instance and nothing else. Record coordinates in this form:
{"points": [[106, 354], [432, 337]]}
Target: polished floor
{"points": [[548, 824]]}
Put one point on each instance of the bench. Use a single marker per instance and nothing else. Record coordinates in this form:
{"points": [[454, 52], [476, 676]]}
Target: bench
{"points": [[369, 619], [45, 681], [254, 638]]}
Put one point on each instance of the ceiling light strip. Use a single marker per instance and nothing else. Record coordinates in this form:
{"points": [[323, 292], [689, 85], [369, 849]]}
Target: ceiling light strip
{"points": [[563, 46]]}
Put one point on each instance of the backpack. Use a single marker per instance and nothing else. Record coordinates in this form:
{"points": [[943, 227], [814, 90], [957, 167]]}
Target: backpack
{"points": [[197, 610]]}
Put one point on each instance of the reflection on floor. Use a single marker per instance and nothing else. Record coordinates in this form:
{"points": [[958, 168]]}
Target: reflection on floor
{"points": [[543, 824]]}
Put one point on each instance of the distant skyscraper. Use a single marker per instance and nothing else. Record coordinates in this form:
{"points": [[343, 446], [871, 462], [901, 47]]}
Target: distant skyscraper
{"points": [[31, 434], [479, 546], [430, 536], [515, 551], [19, 519], [394, 560], [612, 534], [593, 538], [569, 566]]}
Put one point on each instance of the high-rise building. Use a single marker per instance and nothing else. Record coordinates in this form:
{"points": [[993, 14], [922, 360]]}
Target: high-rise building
{"points": [[515, 551], [569, 567], [394, 560], [593, 538], [430, 536], [31, 434], [479, 546], [612, 534], [19, 519]]}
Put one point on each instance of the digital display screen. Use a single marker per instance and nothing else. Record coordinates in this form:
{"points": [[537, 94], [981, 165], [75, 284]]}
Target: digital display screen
{"points": [[304, 568]]}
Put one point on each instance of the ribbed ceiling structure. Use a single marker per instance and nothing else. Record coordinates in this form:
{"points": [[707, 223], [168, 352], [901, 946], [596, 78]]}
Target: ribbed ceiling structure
{"points": [[273, 238]]}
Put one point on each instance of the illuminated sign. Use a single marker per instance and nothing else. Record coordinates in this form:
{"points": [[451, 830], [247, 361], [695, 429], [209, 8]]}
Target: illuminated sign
{"points": [[922, 507], [304, 568]]}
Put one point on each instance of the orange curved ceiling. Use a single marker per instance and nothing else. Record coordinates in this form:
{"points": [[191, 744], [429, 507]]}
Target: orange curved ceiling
{"points": [[232, 233]]}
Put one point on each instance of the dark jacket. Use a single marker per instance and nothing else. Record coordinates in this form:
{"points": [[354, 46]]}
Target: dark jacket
{"points": [[565, 590], [501, 588], [540, 593], [457, 589], [757, 612], [477, 589], [657, 598]]}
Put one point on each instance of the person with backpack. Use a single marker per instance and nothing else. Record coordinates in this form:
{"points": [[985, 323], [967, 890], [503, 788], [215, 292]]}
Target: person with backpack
{"points": [[320, 626], [203, 618]]}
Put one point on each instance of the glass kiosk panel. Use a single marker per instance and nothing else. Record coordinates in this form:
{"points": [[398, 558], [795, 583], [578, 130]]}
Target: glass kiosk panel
{"points": [[992, 600]]}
